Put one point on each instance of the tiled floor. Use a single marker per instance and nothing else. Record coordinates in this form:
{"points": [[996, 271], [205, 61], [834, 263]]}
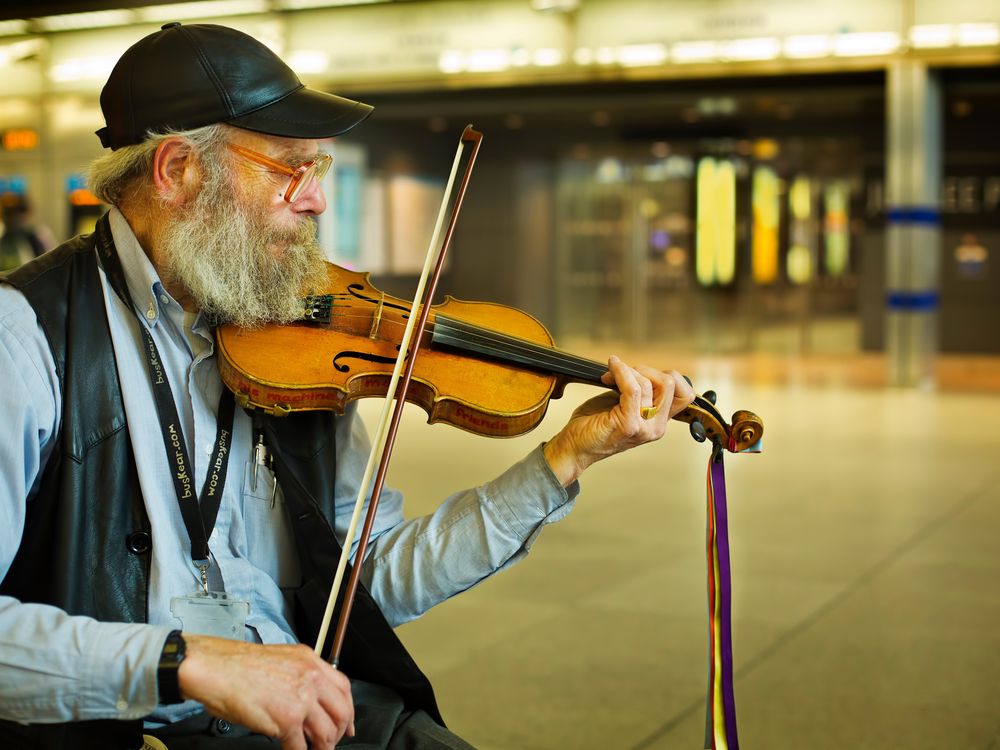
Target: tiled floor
{"points": [[866, 574]]}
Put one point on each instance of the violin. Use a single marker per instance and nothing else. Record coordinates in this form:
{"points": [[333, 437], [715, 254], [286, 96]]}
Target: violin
{"points": [[486, 368]]}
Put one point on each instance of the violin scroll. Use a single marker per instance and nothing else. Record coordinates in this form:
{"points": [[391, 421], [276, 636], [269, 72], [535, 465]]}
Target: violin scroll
{"points": [[706, 423], [747, 428]]}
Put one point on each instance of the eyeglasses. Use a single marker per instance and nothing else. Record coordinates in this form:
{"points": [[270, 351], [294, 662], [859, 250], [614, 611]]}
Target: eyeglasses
{"points": [[300, 177]]}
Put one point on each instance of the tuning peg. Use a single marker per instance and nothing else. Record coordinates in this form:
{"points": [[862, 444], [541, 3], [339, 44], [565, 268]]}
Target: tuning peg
{"points": [[698, 430], [709, 396]]}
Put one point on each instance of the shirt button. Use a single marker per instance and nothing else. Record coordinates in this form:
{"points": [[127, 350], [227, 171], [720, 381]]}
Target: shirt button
{"points": [[164, 299], [151, 313], [122, 704]]}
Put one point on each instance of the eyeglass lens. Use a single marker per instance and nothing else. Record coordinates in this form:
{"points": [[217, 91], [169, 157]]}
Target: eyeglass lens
{"points": [[316, 170], [300, 182]]}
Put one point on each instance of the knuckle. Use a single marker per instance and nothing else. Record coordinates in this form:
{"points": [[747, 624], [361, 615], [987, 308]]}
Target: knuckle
{"points": [[341, 681], [323, 738], [631, 388]]}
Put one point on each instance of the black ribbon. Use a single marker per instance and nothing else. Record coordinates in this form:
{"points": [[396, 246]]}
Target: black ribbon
{"points": [[199, 512]]}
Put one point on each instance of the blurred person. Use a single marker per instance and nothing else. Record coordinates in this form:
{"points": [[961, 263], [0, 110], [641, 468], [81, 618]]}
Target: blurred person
{"points": [[21, 240], [164, 556]]}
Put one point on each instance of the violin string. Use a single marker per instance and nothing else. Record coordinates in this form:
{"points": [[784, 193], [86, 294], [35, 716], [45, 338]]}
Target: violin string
{"points": [[471, 337], [504, 346], [496, 345]]}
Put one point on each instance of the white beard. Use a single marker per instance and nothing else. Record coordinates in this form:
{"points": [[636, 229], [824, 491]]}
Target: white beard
{"points": [[236, 267]]}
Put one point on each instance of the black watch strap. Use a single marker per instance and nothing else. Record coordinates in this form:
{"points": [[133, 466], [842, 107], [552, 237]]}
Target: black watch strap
{"points": [[171, 656]]}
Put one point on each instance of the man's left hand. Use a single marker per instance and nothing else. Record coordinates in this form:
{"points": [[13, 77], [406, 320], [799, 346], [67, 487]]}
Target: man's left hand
{"points": [[614, 422]]}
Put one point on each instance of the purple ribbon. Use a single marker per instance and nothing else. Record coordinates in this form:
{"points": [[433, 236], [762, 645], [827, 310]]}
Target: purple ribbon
{"points": [[725, 635]]}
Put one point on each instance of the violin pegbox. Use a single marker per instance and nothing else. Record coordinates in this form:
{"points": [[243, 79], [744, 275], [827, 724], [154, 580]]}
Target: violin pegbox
{"points": [[707, 423]]}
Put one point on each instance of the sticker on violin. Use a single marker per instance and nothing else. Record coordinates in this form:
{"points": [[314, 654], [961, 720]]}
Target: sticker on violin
{"points": [[214, 613]]}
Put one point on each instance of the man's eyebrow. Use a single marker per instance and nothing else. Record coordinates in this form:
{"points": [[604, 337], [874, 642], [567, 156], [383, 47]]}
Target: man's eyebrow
{"points": [[294, 154]]}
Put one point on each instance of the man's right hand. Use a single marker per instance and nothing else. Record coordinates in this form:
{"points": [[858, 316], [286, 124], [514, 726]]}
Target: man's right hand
{"points": [[284, 692]]}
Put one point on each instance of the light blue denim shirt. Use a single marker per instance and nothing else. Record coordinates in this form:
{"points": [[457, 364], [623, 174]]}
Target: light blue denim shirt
{"points": [[56, 667]]}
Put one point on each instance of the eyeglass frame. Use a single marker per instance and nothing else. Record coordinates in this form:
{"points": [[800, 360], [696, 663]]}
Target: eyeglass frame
{"points": [[298, 177]]}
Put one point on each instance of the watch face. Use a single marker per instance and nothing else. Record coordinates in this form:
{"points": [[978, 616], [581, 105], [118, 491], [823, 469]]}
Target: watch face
{"points": [[173, 649], [166, 674]]}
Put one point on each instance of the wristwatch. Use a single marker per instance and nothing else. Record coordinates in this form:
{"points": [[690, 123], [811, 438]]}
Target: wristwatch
{"points": [[171, 657]]}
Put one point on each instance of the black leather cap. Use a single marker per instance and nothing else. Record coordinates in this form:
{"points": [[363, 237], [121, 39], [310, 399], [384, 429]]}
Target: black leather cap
{"points": [[184, 77]]}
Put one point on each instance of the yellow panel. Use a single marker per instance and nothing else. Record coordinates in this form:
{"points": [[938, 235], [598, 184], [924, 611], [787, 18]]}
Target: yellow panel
{"points": [[800, 260], [725, 250], [706, 235], [799, 264], [836, 228], [764, 243], [800, 198]]}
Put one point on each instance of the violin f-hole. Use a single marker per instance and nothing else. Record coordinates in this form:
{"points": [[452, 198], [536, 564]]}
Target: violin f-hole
{"points": [[364, 356]]}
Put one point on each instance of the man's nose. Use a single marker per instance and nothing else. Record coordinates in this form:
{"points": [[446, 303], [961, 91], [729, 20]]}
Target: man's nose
{"points": [[311, 200]]}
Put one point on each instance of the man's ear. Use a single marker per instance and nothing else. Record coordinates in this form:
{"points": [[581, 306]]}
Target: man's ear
{"points": [[176, 171]]}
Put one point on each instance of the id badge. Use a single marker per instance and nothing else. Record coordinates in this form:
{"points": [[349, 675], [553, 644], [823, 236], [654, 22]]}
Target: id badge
{"points": [[214, 613]]}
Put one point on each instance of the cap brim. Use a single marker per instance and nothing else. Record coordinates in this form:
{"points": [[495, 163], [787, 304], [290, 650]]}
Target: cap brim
{"points": [[305, 113]]}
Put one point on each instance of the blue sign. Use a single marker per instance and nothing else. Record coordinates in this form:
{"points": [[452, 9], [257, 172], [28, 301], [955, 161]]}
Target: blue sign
{"points": [[75, 182], [14, 184]]}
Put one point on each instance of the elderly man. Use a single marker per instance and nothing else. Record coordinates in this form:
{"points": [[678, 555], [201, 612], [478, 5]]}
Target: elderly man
{"points": [[164, 555]]}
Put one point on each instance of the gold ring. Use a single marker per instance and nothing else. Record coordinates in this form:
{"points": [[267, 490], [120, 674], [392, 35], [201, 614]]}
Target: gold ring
{"points": [[648, 412]]}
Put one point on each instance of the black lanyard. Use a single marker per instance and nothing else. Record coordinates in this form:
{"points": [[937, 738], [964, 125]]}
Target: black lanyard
{"points": [[199, 513]]}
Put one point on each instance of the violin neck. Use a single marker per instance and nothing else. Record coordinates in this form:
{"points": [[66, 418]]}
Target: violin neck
{"points": [[501, 347]]}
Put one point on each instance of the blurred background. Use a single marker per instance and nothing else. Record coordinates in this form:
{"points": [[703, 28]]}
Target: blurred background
{"points": [[794, 203]]}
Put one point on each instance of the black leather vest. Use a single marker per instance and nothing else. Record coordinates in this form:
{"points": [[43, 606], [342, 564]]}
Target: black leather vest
{"points": [[86, 545]]}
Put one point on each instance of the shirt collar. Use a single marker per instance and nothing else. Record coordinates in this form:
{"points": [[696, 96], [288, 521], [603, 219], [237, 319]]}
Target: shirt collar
{"points": [[151, 299]]}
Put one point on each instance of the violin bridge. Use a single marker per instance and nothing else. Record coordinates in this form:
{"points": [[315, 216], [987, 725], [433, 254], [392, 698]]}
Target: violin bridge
{"points": [[377, 317]]}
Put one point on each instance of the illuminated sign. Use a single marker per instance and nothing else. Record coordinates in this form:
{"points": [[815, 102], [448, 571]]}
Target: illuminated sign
{"points": [[77, 192], [799, 262], [21, 139], [16, 185], [837, 234], [83, 197], [715, 241], [764, 238]]}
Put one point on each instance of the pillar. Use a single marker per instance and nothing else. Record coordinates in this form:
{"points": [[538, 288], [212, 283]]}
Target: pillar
{"points": [[914, 150]]}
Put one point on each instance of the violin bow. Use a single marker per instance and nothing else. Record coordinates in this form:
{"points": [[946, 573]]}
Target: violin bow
{"points": [[384, 437]]}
